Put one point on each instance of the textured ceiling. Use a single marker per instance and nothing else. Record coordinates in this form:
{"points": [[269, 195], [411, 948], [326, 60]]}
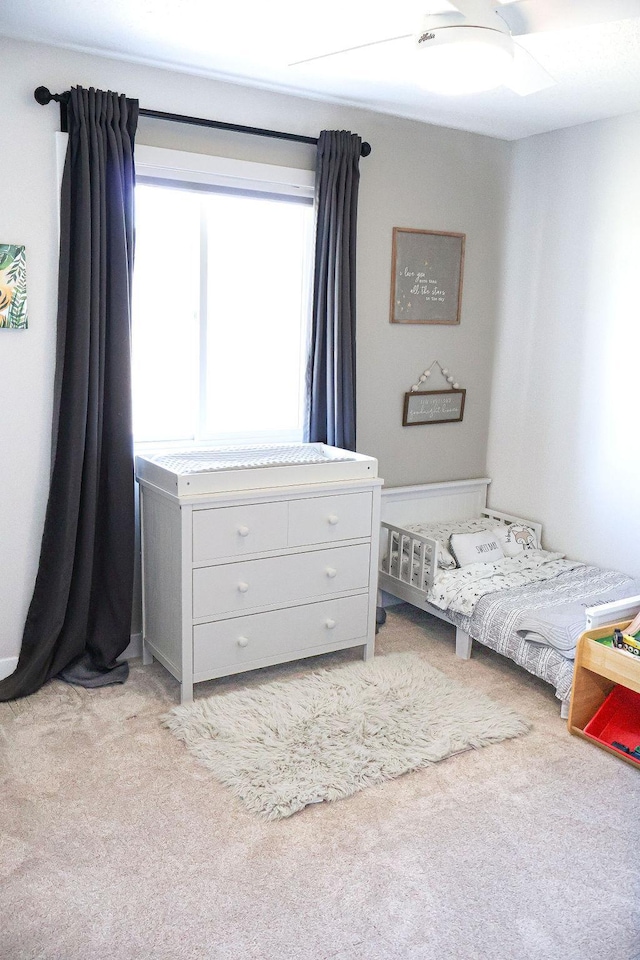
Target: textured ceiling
{"points": [[597, 68]]}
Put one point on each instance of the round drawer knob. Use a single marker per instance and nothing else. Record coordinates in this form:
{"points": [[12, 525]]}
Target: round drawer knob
{"points": [[243, 587], [242, 641], [329, 623], [331, 572], [243, 531], [332, 519]]}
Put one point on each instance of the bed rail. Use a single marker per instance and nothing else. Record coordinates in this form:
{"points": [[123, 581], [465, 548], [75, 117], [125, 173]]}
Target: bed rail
{"points": [[408, 558], [509, 518], [613, 612]]}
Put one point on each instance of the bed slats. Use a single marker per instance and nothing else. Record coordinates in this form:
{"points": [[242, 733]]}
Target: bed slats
{"points": [[407, 557]]}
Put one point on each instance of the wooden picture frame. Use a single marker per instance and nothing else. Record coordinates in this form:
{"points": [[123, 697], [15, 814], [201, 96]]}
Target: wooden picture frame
{"points": [[426, 276], [433, 406]]}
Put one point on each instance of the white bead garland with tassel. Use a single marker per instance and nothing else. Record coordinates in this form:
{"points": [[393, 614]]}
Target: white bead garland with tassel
{"points": [[427, 373]]}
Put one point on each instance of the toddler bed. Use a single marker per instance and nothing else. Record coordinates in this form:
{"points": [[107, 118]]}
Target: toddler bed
{"points": [[486, 573]]}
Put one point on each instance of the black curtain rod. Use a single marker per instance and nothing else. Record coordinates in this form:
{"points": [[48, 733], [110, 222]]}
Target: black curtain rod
{"points": [[44, 96]]}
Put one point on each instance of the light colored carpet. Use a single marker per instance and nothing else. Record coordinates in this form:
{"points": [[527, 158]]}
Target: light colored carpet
{"points": [[116, 844], [325, 736]]}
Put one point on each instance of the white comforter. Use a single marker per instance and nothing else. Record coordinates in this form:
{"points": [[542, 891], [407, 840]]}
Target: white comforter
{"points": [[459, 590]]}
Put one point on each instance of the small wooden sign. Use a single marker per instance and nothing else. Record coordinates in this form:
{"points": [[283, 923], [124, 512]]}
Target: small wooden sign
{"points": [[433, 406]]}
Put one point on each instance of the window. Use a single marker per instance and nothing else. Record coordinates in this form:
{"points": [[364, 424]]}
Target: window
{"points": [[220, 299]]}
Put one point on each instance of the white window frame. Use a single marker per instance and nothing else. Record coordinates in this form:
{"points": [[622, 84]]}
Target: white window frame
{"points": [[155, 164], [164, 164]]}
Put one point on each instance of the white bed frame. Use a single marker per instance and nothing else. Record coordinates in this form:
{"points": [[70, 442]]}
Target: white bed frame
{"points": [[412, 580], [614, 612], [449, 500], [427, 502]]}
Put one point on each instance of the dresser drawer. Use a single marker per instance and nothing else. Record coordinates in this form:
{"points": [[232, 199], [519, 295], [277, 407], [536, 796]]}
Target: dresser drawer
{"points": [[247, 585], [233, 531], [325, 519], [228, 644]]}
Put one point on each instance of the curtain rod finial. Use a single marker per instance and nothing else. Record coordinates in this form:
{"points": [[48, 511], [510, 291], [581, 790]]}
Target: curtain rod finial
{"points": [[43, 95], [365, 149]]}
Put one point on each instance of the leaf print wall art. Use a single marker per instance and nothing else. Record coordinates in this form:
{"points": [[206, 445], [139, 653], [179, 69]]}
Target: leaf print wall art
{"points": [[13, 287]]}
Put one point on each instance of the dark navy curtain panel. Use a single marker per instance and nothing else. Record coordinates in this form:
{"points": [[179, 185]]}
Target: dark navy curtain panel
{"points": [[79, 620], [331, 371]]}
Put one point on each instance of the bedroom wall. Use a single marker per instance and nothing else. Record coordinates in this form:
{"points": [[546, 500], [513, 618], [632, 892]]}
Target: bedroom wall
{"points": [[563, 443], [417, 176]]}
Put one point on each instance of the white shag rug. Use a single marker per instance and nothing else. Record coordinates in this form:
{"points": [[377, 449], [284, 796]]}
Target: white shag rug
{"points": [[327, 735]]}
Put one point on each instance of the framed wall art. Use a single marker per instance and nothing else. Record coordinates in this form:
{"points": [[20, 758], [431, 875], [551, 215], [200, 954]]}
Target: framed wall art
{"points": [[13, 287], [433, 406], [426, 276]]}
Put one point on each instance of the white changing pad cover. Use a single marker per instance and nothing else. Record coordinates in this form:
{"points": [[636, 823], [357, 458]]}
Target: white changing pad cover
{"points": [[187, 462]]}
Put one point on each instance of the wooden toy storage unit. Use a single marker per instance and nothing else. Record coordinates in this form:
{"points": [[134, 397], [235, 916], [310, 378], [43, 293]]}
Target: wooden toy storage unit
{"points": [[256, 556], [598, 669]]}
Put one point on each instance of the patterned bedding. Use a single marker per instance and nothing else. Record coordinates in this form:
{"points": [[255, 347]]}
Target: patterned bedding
{"points": [[460, 590], [499, 619]]}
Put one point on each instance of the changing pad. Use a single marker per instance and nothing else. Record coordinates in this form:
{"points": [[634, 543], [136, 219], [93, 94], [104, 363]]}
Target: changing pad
{"points": [[199, 471]]}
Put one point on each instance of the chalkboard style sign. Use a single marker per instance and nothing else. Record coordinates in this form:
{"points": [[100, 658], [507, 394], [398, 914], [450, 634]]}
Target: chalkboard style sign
{"points": [[426, 276], [433, 406]]}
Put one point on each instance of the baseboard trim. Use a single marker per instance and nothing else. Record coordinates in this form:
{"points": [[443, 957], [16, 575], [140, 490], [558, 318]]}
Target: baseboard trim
{"points": [[7, 666], [134, 649]]}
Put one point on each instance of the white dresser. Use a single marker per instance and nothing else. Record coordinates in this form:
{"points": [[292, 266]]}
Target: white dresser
{"points": [[255, 556]]}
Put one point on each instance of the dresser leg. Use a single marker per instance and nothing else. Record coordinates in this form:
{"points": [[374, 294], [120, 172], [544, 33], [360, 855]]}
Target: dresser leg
{"points": [[147, 656], [186, 692], [368, 650]]}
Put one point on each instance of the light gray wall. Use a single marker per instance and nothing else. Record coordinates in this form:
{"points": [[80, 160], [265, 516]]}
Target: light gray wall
{"points": [[417, 176], [443, 180], [564, 423]]}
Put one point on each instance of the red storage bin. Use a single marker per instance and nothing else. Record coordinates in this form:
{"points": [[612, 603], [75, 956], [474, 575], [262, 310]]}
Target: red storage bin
{"points": [[618, 718]]}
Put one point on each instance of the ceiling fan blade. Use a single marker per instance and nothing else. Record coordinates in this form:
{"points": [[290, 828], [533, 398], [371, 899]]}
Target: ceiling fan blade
{"points": [[539, 16], [527, 76], [360, 46]]}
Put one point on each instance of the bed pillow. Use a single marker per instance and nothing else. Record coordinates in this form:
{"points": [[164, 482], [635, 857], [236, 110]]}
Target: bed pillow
{"points": [[515, 538], [441, 531], [480, 547], [446, 560]]}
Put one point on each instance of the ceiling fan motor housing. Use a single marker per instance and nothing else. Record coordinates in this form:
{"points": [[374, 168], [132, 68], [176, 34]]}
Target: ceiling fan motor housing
{"points": [[478, 23], [471, 49]]}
